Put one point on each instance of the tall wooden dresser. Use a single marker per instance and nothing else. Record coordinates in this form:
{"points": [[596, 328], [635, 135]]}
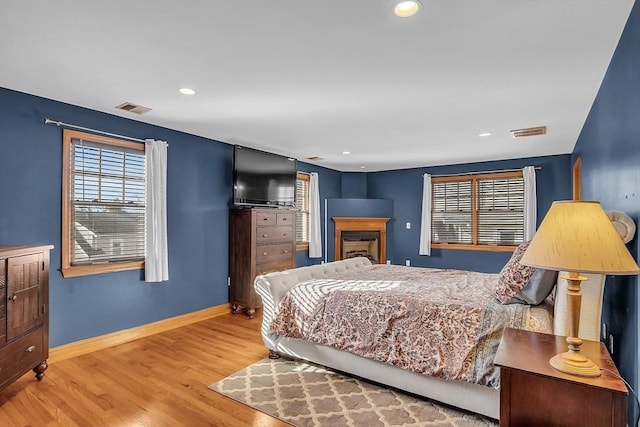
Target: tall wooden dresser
{"points": [[24, 311], [262, 240]]}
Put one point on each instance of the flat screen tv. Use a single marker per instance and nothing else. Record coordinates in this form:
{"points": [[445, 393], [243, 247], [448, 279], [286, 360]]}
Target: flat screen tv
{"points": [[263, 179]]}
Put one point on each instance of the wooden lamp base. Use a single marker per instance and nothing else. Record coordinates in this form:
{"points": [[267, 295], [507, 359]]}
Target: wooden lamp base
{"points": [[575, 363]]}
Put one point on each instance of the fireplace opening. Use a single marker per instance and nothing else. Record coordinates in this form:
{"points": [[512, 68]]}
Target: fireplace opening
{"points": [[360, 237], [361, 244]]}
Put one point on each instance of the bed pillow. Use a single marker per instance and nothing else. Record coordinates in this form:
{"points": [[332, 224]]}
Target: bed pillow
{"points": [[521, 284], [537, 289]]}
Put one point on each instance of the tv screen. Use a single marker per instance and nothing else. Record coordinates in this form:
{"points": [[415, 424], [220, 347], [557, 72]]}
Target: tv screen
{"points": [[263, 179]]}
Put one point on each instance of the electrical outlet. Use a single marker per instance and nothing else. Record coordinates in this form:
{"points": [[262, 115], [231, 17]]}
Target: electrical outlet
{"points": [[408, 226], [388, 262], [611, 344], [407, 263]]}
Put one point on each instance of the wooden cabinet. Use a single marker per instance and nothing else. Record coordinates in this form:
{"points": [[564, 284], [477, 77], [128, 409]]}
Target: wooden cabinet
{"points": [[262, 241], [24, 311], [532, 393]]}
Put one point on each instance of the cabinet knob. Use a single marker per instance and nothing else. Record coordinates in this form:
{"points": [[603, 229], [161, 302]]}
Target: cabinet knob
{"points": [[13, 298], [285, 251], [264, 235], [31, 349], [265, 253]]}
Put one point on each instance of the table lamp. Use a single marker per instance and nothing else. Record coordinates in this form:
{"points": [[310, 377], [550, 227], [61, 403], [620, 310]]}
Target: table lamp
{"points": [[578, 237]]}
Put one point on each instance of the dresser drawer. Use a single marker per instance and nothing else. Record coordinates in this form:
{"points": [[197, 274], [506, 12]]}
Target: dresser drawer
{"points": [[274, 234], [266, 253], [266, 218], [269, 267], [22, 355], [286, 218]]}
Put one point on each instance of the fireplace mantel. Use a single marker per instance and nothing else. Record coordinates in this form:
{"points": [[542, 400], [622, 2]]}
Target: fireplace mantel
{"points": [[360, 224]]}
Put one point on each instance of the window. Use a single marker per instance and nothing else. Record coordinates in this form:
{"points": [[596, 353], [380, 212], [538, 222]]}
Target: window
{"points": [[483, 211], [302, 211], [103, 209]]}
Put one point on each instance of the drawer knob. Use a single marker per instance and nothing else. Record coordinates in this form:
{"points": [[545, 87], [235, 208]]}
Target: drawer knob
{"points": [[31, 349], [12, 298], [285, 251], [265, 219], [265, 253], [264, 235]]}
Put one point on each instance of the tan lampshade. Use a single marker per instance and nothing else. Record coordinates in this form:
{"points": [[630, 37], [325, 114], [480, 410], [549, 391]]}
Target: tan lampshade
{"points": [[578, 236]]}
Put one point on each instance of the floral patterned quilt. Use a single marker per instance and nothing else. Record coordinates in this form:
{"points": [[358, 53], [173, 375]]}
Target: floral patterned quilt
{"points": [[443, 323]]}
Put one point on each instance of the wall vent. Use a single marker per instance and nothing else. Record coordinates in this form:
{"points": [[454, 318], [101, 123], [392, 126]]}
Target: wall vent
{"points": [[315, 158], [520, 133], [133, 108]]}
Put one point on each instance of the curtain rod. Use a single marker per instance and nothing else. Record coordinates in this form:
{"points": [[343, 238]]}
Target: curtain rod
{"points": [[68, 125], [482, 172]]}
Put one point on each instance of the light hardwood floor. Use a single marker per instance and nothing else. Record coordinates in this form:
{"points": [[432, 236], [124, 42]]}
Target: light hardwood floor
{"points": [[159, 380]]}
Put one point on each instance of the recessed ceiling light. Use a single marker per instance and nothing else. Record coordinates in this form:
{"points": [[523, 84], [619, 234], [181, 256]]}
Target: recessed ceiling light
{"points": [[406, 8], [346, 152], [485, 134], [187, 91]]}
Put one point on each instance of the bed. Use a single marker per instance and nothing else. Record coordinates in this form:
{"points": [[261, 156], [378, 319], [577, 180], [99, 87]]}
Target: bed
{"points": [[471, 383]]}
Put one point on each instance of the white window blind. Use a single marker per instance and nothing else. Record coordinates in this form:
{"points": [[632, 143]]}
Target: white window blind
{"points": [[501, 211], [107, 184], [451, 212], [478, 209], [302, 209]]}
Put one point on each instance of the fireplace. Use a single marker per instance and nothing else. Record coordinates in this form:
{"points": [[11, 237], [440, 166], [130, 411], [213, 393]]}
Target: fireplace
{"points": [[358, 236], [361, 243]]}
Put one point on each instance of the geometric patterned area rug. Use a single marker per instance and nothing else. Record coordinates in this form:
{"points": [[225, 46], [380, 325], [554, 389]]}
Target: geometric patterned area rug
{"points": [[304, 395]]}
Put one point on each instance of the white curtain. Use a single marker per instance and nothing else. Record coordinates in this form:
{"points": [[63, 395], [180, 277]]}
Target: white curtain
{"points": [[530, 202], [156, 259], [425, 223], [315, 238]]}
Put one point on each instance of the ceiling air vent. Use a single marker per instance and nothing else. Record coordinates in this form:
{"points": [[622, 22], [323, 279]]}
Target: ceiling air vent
{"points": [[133, 108], [520, 133], [315, 158]]}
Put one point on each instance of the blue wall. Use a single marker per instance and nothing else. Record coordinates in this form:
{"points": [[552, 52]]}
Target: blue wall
{"points": [[199, 185], [354, 185], [404, 188], [609, 146]]}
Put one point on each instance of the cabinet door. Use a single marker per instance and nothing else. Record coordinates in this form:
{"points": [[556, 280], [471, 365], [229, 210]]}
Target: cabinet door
{"points": [[24, 294], [3, 301]]}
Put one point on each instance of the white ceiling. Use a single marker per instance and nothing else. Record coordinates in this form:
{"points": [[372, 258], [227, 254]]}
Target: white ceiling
{"points": [[317, 77]]}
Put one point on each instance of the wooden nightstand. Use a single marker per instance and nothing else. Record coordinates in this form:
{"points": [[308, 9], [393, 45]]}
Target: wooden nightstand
{"points": [[532, 393]]}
